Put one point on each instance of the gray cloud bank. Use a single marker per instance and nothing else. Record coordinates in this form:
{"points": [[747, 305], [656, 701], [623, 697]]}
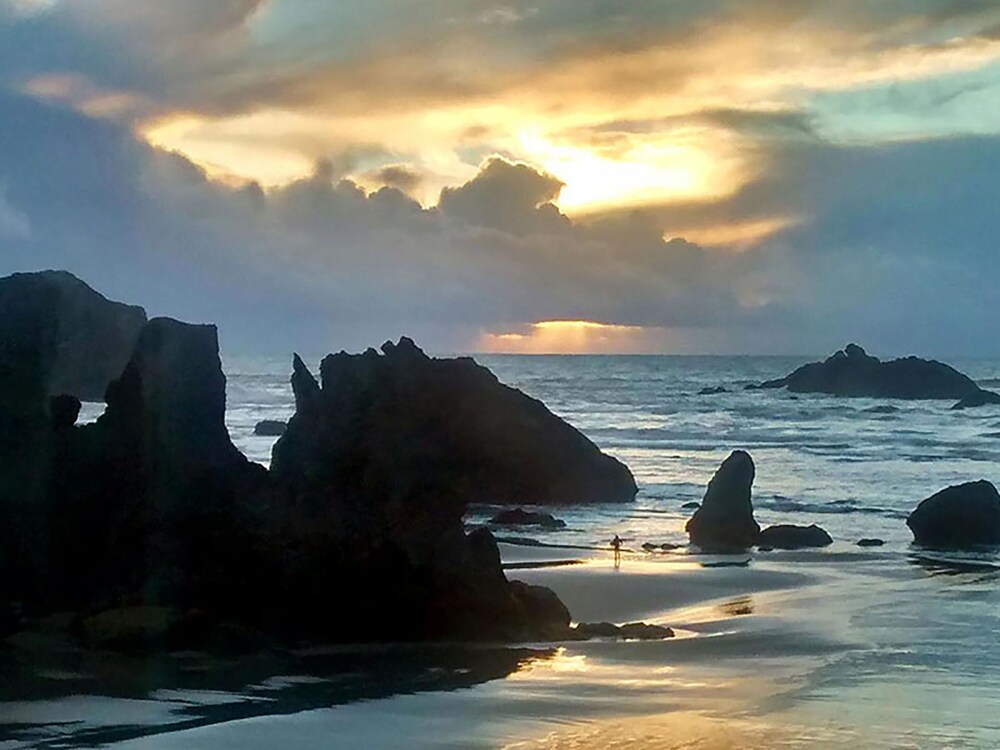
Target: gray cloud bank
{"points": [[895, 246], [901, 252]]}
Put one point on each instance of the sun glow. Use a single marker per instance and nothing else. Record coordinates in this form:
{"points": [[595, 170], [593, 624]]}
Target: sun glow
{"points": [[641, 173], [575, 337]]}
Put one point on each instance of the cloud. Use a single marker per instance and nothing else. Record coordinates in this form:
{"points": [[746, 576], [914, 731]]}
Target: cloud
{"points": [[13, 223], [511, 197], [560, 159], [398, 176]]}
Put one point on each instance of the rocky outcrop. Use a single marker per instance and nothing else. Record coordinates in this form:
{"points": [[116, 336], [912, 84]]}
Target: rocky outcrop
{"points": [[965, 515], [154, 498], [376, 469], [788, 536], [976, 399], [725, 519], [270, 428], [713, 391], [84, 339], [151, 511], [853, 372], [447, 427], [521, 517]]}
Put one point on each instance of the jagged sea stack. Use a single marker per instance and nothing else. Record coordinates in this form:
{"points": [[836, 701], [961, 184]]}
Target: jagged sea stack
{"points": [[725, 521], [445, 427], [375, 470]]}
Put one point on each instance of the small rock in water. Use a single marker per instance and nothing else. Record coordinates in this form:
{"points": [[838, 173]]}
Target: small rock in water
{"points": [[788, 536], [713, 391], [270, 428], [638, 631], [691, 506], [521, 517], [965, 515], [868, 542], [665, 546]]}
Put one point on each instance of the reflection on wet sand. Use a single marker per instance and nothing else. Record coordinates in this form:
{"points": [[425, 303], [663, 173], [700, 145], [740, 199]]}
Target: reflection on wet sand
{"points": [[79, 699]]}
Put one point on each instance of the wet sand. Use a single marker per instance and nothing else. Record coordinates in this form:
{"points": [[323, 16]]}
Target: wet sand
{"points": [[805, 649]]}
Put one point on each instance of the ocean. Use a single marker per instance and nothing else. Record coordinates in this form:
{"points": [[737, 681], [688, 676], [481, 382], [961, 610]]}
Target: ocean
{"points": [[839, 647]]}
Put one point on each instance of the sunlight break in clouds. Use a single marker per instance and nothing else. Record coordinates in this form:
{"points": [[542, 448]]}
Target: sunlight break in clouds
{"points": [[575, 337]]}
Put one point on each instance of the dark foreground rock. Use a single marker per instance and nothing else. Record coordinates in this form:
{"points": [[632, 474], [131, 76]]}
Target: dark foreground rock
{"points": [[445, 428], [977, 399], [83, 339], [965, 515], [152, 511], [154, 498], [377, 467], [638, 631], [521, 517], [787, 536], [270, 428], [853, 372], [725, 519]]}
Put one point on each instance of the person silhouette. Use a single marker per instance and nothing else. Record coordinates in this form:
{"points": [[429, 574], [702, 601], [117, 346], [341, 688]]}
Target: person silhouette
{"points": [[616, 544]]}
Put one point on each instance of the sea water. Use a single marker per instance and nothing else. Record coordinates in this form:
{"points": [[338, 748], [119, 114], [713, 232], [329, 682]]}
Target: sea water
{"points": [[840, 647], [855, 466]]}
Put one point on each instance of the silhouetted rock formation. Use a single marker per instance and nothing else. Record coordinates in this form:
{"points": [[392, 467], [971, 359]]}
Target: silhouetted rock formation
{"points": [[376, 468], [978, 398], [787, 536], [154, 498], [445, 426], [270, 428], [965, 515], [521, 517], [725, 519], [152, 505], [83, 338], [713, 391], [852, 372]]}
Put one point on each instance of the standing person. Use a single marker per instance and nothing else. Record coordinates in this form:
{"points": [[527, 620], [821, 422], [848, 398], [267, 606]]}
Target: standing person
{"points": [[616, 544]]}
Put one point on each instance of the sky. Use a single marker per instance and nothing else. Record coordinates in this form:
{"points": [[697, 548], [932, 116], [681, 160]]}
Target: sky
{"points": [[721, 176]]}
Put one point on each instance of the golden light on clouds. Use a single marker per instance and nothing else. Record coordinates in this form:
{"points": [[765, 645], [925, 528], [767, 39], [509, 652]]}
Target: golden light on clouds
{"points": [[736, 235], [575, 337], [621, 126], [650, 171], [238, 146]]}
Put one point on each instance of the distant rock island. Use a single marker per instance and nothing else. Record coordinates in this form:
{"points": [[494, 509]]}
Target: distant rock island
{"points": [[852, 372], [151, 520]]}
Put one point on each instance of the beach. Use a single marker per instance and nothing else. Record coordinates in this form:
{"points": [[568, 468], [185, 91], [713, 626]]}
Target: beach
{"points": [[829, 648], [842, 646]]}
